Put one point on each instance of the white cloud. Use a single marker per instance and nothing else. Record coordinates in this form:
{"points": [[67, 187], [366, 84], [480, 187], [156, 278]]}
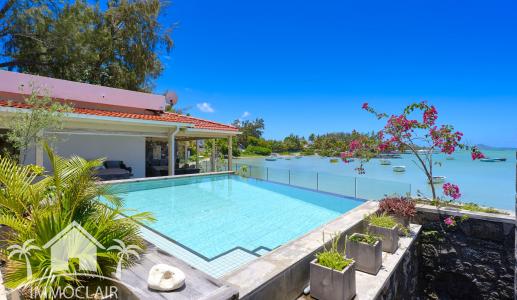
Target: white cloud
{"points": [[205, 107], [245, 115]]}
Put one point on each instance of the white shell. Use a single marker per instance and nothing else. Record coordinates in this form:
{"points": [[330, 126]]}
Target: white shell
{"points": [[165, 278]]}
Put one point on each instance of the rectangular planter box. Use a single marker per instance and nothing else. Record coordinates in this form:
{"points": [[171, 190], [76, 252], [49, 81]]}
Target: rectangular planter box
{"points": [[389, 236], [401, 220], [368, 258], [328, 284]]}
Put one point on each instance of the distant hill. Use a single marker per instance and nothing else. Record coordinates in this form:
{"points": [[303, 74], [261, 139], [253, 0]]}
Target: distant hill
{"points": [[487, 147]]}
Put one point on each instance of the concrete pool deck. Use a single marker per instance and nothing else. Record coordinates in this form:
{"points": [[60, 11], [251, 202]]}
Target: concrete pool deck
{"points": [[284, 272]]}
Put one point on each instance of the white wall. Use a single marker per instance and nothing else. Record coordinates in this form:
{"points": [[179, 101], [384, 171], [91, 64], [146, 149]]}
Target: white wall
{"points": [[129, 149]]}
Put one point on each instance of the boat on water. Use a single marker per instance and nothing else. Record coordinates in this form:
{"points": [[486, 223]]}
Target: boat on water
{"points": [[385, 162], [438, 179], [287, 157], [497, 159], [273, 157], [334, 160], [298, 156], [399, 168]]}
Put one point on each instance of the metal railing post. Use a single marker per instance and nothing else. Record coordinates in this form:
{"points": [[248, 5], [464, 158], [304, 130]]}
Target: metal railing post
{"points": [[317, 181], [355, 187], [267, 174], [250, 171], [289, 176]]}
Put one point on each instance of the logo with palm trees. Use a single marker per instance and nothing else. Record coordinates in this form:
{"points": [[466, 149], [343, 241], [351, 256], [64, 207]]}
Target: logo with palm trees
{"points": [[74, 243], [24, 250], [124, 253]]}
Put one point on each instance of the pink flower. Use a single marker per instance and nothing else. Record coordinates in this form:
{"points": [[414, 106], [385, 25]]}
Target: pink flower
{"points": [[354, 145], [345, 156], [430, 116], [365, 106], [476, 154], [449, 221], [451, 190]]}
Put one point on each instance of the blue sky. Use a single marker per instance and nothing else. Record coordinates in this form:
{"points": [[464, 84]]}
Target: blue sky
{"points": [[307, 66]]}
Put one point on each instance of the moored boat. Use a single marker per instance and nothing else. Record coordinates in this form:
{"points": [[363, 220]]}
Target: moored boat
{"points": [[385, 162], [270, 158], [334, 160], [438, 179], [497, 159], [399, 168]]}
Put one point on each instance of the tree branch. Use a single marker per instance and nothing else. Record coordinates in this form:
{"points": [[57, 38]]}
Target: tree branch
{"points": [[7, 6]]}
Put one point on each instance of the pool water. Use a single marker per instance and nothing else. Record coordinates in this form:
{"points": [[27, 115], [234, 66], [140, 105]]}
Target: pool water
{"points": [[212, 216]]}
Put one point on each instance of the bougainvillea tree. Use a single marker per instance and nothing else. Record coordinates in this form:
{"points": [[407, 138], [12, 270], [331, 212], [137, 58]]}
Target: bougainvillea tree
{"points": [[416, 130]]}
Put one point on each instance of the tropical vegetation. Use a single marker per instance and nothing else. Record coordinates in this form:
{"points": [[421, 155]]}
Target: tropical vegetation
{"points": [[364, 238], [116, 44], [29, 128], [381, 220], [332, 258], [398, 206], [35, 207]]}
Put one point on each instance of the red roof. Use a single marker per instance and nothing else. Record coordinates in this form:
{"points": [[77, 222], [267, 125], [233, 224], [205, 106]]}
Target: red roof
{"points": [[164, 117]]}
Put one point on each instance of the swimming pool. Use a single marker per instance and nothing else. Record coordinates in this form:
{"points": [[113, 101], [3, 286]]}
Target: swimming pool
{"points": [[220, 222]]}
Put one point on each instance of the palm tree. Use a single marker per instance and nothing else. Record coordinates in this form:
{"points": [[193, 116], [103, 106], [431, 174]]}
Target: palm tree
{"points": [[25, 251], [124, 252], [37, 209]]}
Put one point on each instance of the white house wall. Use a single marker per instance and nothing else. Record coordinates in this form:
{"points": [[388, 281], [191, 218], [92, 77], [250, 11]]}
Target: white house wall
{"points": [[130, 149]]}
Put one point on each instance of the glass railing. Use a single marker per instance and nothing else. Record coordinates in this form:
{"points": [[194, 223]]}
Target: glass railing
{"points": [[349, 186]]}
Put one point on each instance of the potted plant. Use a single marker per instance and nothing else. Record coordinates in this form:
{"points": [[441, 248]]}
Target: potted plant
{"points": [[400, 208], [366, 251], [385, 226], [332, 275]]}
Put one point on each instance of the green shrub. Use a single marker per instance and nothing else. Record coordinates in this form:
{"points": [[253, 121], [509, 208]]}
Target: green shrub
{"points": [[381, 220], [308, 152], [332, 258], [258, 150], [364, 238], [36, 211]]}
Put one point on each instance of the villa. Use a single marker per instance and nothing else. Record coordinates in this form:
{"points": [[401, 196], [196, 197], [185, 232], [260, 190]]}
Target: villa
{"points": [[255, 236], [119, 125]]}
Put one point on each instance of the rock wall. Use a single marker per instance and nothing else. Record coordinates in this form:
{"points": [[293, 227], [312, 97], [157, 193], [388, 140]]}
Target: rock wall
{"points": [[403, 283], [473, 260]]}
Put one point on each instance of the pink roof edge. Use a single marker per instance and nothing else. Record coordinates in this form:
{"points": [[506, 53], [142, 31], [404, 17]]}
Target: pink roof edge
{"points": [[19, 83]]}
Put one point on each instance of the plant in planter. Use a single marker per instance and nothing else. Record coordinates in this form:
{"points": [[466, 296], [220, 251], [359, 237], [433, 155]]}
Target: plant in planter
{"points": [[384, 226], [366, 251], [332, 275], [402, 209]]}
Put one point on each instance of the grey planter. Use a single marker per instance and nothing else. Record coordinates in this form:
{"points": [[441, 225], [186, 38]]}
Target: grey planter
{"points": [[368, 258], [328, 284], [389, 236], [401, 220]]}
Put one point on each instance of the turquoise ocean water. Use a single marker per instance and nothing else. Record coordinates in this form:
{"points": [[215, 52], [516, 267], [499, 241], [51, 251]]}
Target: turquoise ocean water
{"points": [[489, 184]]}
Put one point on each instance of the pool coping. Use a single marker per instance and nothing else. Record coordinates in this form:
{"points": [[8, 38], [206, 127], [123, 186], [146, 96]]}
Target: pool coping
{"points": [[457, 212], [143, 179], [283, 270]]}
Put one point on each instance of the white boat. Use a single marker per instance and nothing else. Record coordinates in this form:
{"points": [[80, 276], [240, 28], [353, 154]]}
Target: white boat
{"points": [[385, 162], [399, 168], [297, 156], [438, 179], [270, 158]]}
